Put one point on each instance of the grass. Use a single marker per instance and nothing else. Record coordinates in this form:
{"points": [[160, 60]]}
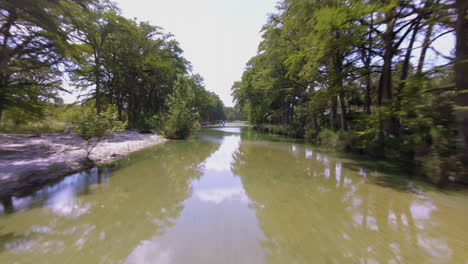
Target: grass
{"points": [[47, 126], [53, 119]]}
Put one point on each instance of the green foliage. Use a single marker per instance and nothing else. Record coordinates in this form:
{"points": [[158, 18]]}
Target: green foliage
{"points": [[131, 65], [54, 119], [92, 127], [182, 117], [32, 50], [233, 114], [153, 122], [340, 74], [111, 61], [341, 140], [209, 105]]}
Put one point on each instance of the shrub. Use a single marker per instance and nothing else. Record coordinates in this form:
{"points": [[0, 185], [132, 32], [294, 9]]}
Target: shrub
{"points": [[341, 140], [182, 116], [151, 123], [92, 128], [327, 137]]}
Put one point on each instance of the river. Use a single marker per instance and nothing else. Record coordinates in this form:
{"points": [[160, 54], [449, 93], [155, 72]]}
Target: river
{"points": [[233, 195]]}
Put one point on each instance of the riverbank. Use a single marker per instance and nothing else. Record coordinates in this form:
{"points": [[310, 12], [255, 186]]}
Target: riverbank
{"points": [[227, 124], [439, 171], [31, 161]]}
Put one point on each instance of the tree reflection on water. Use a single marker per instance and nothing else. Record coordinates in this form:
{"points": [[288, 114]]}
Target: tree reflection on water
{"points": [[312, 207]]}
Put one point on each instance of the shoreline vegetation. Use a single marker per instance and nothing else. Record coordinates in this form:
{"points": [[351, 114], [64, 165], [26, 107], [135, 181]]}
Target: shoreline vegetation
{"points": [[335, 141], [30, 161], [384, 78], [130, 77]]}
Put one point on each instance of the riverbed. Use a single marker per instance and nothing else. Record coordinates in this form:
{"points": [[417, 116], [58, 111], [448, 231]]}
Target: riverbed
{"points": [[234, 195]]}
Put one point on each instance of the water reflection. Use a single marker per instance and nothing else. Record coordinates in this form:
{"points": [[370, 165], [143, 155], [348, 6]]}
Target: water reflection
{"points": [[316, 208], [235, 196], [218, 183], [57, 195], [81, 221], [219, 195], [217, 224], [221, 160]]}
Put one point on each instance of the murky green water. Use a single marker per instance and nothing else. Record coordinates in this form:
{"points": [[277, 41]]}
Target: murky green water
{"points": [[232, 196]]}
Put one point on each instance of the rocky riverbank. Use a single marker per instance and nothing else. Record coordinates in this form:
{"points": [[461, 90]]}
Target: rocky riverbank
{"points": [[30, 161]]}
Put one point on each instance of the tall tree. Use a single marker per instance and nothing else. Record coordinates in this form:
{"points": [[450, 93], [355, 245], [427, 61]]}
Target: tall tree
{"points": [[323, 60], [461, 73], [32, 47], [91, 27]]}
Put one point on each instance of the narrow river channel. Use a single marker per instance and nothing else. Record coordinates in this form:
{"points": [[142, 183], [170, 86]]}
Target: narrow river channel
{"points": [[233, 195]]}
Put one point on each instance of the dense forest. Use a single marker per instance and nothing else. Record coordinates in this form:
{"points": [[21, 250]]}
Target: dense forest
{"points": [[133, 66], [233, 114], [355, 75]]}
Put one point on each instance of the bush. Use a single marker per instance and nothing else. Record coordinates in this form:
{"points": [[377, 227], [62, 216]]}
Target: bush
{"points": [[327, 137], [341, 140], [92, 128], [182, 117], [151, 123], [54, 119], [19, 121]]}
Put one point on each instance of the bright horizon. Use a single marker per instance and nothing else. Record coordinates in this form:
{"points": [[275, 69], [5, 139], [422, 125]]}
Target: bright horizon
{"points": [[218, 36]]}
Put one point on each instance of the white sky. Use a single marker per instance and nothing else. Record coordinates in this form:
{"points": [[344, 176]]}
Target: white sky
{"points": [[218, 36]]}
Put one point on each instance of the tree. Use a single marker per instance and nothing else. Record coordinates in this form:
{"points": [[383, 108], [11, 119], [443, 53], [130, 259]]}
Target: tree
{"points": [[182, 115], [32, 47], [92, 128], [91, 28], [233, 113], [461, 73], [347, 70]]}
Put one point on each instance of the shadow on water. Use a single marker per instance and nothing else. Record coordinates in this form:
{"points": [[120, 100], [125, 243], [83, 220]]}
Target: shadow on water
{"points": [[76, 184], [81, 184], [10, 240], [89, 211]]}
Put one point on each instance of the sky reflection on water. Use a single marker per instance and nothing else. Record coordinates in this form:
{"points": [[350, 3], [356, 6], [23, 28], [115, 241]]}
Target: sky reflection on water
{"points": [[232, 195]]}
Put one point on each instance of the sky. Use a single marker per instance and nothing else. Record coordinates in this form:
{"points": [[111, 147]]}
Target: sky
{"points": [[218, 36]]}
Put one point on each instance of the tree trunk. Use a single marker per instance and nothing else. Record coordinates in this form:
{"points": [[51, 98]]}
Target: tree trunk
{"points": [[3, 85], [367, 59], [461, 80], [388, 37], [406, 62], [388, 126], [8, 205], [314, 123], [338, 83], [97, 77], [367, 98], [334, 104], [425, 47], [385, 85], [5, 55], [403, 77], [344, 122], [98, 95]]}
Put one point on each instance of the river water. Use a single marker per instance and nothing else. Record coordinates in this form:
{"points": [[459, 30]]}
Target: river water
{"points": [[233, 195]]}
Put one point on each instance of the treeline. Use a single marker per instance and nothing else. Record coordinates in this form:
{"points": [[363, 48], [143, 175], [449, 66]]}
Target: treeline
{"points": [[355, 75], [110, 59], [233, 114]]}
